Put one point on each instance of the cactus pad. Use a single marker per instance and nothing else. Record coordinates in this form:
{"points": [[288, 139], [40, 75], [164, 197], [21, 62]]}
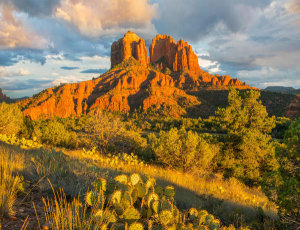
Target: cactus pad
{"points": [[165, 217], [131, 215], [134, 179], [136, 226], [170, 191], [122, 179]]}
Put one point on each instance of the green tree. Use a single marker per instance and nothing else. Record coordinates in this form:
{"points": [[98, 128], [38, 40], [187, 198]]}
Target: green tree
{"points": [[11, 119], [287, 189], [182, 150], [248, 152]]}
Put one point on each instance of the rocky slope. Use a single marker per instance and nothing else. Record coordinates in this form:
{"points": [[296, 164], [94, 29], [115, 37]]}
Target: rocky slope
{"points": [[132, 83], [293, 109]]}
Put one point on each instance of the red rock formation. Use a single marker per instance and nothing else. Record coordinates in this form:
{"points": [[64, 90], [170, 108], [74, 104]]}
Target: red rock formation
{"points": [[137, 85], [293, 109], [117, 90], [130, 45], [178, 56]]}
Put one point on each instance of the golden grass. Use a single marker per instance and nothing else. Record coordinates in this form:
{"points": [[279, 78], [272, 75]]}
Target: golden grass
{"points": [[226, 190], [10, 183]]}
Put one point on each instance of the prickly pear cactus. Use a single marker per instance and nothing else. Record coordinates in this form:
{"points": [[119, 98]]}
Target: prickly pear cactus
{"points": [[133, 200], [165, 217], [131, 215], [136, 226], [170, 191], [122, 179], [134, 179]]}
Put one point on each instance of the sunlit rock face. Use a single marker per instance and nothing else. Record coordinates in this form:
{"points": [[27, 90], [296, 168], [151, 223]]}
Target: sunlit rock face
{"points": [[177, 56], [130, 45], [131, 84]]}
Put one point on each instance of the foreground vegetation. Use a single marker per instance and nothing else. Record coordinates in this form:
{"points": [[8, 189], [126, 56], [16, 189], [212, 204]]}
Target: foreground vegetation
{"points": [[223, 164]]}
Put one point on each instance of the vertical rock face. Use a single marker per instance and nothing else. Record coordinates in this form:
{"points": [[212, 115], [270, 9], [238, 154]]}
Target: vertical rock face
{"points": [[130, 45], [177, 56]]}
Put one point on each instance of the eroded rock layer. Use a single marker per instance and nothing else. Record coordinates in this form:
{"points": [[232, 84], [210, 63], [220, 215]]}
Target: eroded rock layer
{"points": [[130, 45], [177, 56]]}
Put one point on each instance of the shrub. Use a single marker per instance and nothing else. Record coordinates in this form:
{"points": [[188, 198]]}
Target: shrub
{"points": [[11, 118], [54, 133], [109, 134], [182, 150]]}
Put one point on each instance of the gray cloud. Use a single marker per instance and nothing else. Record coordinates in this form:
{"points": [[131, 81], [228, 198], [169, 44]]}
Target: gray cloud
{"points": [[94, 71], [69, 67], [35, 7], [193, 20]]}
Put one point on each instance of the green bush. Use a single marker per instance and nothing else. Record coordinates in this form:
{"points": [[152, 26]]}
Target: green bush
{"points": [[11, 119], [110, 134], [53, 132], [183, 150]]}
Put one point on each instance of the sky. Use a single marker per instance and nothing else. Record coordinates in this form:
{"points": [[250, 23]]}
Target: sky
{"points": [[44, 43]]}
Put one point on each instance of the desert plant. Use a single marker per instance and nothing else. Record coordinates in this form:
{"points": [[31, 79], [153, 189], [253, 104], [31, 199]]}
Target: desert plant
{"points": [[182, 150]]}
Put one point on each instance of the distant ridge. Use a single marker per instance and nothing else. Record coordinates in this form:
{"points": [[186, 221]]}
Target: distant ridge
{"points": [[162, 82], [283, 89]]}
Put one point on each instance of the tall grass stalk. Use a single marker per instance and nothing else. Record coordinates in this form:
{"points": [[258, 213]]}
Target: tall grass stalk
{"points": [[68, 215], [10, 182]]}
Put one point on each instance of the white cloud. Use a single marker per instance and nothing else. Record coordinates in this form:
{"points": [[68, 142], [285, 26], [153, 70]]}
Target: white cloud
{"points": [[13, 32], [69, 79], [11, 72], [100, 17]]}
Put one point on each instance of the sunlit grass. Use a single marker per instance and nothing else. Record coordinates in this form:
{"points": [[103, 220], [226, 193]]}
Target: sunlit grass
{"points": [[10, 182], [231, 191]]}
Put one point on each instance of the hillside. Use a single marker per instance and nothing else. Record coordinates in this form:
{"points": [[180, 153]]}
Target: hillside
{"points": [[283, 89], [135, 82]]}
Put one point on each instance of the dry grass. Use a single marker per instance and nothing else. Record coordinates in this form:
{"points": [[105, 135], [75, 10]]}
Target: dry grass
{"points": [[10, 182], [230, 201]]}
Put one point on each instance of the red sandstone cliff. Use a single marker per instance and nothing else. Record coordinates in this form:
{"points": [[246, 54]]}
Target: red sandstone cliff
{"points": [[129, 46], [131, 84], [178, 56]]}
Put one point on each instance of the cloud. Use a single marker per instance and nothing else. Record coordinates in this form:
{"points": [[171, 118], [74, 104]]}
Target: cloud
{"points": [[207, 64], [293, 6], [34, 7], [101, 17], [9, 72], [196, 19], [94, 71], [69, 67], [13, 33], [69, 79]]}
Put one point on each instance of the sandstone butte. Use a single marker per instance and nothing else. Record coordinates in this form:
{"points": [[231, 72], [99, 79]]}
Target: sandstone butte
{"points": [[132, 83]]}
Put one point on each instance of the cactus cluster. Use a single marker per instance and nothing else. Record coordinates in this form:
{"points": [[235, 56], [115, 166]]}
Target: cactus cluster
{"points": [[22, 142], [136, 203]]}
